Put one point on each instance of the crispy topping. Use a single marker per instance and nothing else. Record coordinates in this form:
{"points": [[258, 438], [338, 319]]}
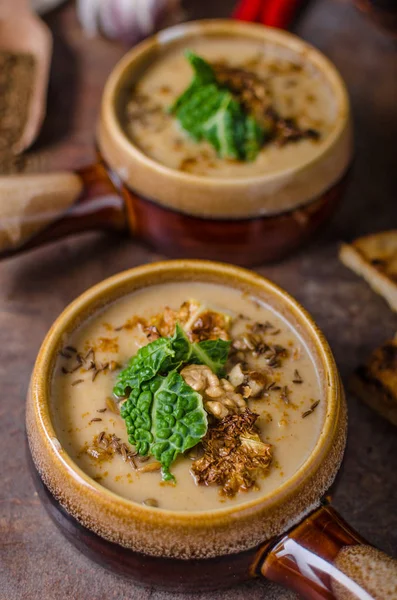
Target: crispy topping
{"points": [[166, 321], [234, 455], [151, 333], [257, 98], [251, 91]]}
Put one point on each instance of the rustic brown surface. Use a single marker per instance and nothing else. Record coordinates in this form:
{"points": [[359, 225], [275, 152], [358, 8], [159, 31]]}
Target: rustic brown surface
{"points": [[35, 562]]}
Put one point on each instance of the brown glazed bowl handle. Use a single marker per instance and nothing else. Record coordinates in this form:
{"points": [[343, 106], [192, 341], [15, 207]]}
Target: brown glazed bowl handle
{"points": [[36, 209], [323, 558]]}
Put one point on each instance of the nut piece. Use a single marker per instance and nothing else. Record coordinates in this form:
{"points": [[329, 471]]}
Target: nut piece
{"points": [[219, 395], [256, 381], [236, 375]]}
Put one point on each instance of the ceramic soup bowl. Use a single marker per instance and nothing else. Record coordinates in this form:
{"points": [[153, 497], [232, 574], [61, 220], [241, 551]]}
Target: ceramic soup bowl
{"points": [[290, 535], [243, 217]]}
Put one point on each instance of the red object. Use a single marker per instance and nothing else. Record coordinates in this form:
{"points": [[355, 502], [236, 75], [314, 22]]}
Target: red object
{"points": [[248, 10], [274, 13]]}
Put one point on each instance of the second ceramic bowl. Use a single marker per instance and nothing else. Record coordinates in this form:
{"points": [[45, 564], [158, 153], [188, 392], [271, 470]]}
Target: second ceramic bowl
{"points": [[245, 220]]}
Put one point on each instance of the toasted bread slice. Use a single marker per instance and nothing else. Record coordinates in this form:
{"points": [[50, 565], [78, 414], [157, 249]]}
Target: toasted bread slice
{"points": [[374, 257], [375, 383]]}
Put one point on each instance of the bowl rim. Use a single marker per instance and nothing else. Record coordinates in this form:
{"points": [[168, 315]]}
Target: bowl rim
{"points": [[230, 27], [40, 390]]}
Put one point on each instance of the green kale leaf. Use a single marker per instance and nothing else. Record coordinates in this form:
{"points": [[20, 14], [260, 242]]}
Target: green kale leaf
{"points": [[137, 414], [212, 353], [160, 356], [164, 416], [179, 421], [208, 110]]}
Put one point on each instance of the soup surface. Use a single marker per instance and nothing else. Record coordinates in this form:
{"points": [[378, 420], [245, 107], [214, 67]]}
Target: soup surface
{"points": [[83, 406], [298, 90]]}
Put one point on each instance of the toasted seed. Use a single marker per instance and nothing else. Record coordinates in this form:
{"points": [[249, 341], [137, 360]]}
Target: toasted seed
{"points": [[105, 443], [311, 409], [151, 502], [150, 467], [131, 461], [77, 381], [112, 406], [143, 458], [297, 377], [285, 394], [89, 353]]}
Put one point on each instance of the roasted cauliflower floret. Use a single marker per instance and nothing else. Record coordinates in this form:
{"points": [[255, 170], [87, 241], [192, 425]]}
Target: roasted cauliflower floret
{"points": [[219, 396], [199, 322], [235, 456]]}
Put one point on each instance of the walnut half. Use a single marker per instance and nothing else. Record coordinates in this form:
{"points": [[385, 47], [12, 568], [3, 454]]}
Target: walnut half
{"points": [[219, 395]]}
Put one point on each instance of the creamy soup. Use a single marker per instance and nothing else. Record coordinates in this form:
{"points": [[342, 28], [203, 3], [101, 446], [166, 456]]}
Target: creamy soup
{"points": [[290, 407], [298, 90]]}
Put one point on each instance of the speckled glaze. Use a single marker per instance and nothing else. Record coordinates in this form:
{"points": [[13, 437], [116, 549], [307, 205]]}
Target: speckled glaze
{"points": [[173, 534]]}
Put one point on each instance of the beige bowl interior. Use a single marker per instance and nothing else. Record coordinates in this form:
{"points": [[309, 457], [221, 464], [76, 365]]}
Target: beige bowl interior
{"points": [[172, 533], [269, 193]]}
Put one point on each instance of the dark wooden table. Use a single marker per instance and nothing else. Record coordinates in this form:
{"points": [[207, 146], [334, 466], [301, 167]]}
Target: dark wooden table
{"points": [[35, 561]]}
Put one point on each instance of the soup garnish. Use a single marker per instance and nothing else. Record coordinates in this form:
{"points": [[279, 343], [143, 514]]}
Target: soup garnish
{"points": [[233, 110], [234, 454], [171, 389], [188, 406], [208, 110]]}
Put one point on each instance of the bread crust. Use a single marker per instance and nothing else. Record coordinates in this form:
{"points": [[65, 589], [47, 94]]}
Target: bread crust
{"points": [[375, 383], [374, 257]]}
